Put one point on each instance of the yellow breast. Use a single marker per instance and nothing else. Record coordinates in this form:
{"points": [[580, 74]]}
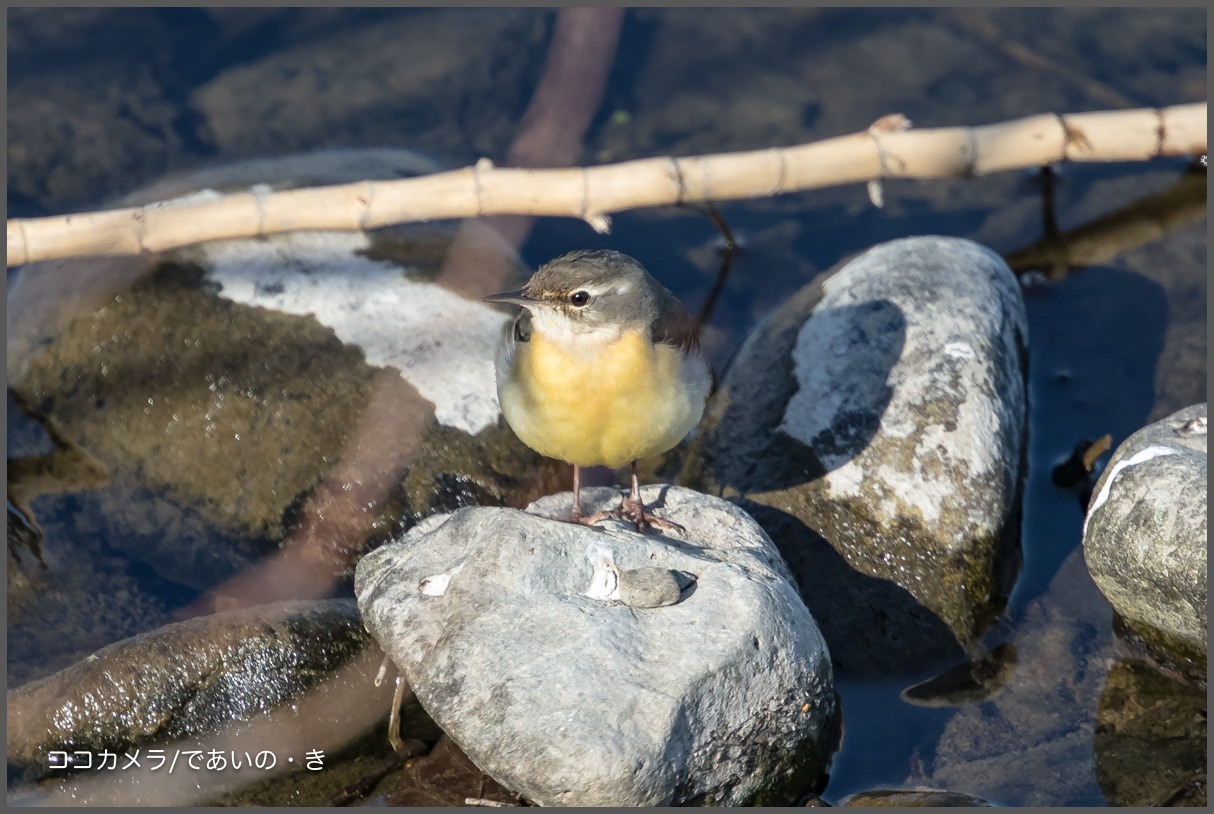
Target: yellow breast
{"points": [[622, 402]]}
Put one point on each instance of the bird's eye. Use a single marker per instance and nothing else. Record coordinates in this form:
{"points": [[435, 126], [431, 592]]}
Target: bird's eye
{"points": [[579, 298]]}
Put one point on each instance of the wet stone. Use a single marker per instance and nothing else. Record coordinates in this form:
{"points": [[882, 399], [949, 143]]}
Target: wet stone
{"points": [[874, 425], [219, 384], [1145, 537], [913, 798], [181, 681], [518, 628], [1150, 741]]}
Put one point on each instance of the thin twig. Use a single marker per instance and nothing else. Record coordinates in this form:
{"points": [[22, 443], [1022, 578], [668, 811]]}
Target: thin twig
{"points": [[719, 222], [1102, 445], [398, 697], [710, 302]]}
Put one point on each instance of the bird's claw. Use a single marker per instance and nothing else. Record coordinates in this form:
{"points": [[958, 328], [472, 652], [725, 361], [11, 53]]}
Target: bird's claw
{"points": [[631, 510]]}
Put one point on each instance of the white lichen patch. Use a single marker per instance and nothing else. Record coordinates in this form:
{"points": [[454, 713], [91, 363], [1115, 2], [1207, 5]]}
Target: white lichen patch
{"points": [[442, 343], [1141, 457], [437, 585], [960, 350], [605, 575], [913, 348]]}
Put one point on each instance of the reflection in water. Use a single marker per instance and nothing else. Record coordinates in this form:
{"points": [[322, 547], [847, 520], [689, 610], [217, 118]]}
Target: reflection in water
{"points": [[69, 468], [1150, 741], [1100, 242], [970, 683]]}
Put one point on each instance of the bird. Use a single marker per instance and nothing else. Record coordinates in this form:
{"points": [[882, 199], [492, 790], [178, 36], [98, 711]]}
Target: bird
{"points": [[602, 366]]}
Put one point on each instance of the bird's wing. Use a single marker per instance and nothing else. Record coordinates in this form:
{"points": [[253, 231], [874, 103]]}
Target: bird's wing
{"points": [[674, 325]]}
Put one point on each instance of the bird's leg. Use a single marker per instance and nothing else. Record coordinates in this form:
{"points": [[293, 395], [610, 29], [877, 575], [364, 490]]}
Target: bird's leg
{"points": [[632, 508], [576, 515]]}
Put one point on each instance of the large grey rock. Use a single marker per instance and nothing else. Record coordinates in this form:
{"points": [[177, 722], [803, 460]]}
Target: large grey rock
{"points": [[882, 411], [1144, 537], [516, 633]]}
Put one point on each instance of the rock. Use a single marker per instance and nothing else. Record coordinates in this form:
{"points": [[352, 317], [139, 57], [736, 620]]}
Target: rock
{"points": [[221, 383], [367, 81], [133, 91], [1144, 537], [443, 777], [188, 680], [913, 798], [514, 632], [1150, 742], [119, 111], [875, 426], [652, 587]]}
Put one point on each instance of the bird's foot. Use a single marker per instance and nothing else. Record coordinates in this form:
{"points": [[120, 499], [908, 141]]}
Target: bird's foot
{"points": [[576, 516], [631, 510]]}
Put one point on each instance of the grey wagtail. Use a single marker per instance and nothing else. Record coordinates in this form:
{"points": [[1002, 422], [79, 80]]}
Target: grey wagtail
{"points": [[601, 367]]}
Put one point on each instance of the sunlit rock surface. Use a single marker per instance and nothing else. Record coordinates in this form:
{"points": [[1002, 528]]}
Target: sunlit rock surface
{"points": [[557, 659], [1145, 537], [875, 426]]}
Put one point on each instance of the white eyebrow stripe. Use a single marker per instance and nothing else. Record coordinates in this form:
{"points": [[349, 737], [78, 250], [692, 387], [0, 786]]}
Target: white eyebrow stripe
{"points": [[592, 290]]}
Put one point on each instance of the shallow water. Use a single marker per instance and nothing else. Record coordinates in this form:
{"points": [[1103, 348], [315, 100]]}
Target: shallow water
{"points": [[103, 101]]}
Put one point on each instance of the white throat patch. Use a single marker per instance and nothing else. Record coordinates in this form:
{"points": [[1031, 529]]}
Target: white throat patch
{"points": [[576, 336]]}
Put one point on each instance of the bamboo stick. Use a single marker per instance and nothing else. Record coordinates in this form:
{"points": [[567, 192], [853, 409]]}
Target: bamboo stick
{"points": [[887, 150]]}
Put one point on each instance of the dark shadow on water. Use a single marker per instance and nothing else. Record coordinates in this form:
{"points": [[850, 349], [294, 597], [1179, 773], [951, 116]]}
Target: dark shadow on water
{"points": [[1099, 313]]}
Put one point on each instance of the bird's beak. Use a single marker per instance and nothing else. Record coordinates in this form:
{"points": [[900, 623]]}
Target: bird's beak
{"points": [[514, 297]]}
